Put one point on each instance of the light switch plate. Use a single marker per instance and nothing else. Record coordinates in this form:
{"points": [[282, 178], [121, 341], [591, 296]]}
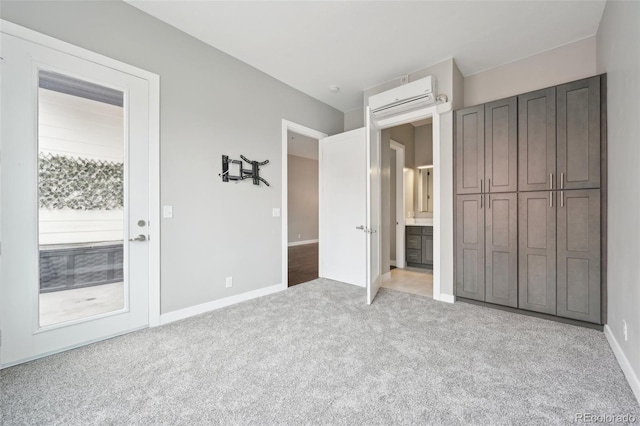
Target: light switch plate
{"points": [[276, 212], [167, 212]]}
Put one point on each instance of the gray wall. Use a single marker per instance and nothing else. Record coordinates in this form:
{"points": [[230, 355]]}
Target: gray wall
{"points": [[302, 198], [424, 145], [354, 119], [211, 104], [618, 54], [556, 66]]}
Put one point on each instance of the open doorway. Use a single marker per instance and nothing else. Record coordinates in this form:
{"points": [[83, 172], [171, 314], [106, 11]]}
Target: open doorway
{"points": [[407, 207], [302, 217]]}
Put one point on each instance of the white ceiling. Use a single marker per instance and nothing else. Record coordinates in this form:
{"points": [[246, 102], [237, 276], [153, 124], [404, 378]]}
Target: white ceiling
{"points": [[302, 146], [357, 45]]}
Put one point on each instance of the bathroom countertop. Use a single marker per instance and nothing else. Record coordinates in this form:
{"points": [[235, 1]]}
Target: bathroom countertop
{"points": [[419, 221]]}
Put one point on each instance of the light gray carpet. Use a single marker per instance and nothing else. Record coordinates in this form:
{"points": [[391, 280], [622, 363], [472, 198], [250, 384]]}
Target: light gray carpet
{"points": [[317, 354]]}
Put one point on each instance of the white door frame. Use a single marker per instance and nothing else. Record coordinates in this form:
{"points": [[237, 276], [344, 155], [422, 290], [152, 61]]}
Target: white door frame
{"points": [[315, 134], [154, 144], [434, 111], [399, 203]]}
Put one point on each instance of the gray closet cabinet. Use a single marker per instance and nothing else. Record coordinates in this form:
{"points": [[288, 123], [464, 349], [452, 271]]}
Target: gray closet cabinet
{"points": [[537, 140], [537, 252], [486, 148], [579, 255], [559, 264], [501, 253], [532, 235], [578, 133], [470, 150], [501, 145], [470, 247]]}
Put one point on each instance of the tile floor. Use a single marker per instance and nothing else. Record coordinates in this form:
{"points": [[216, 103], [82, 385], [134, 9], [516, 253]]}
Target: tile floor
{"points": [[410, 280]]}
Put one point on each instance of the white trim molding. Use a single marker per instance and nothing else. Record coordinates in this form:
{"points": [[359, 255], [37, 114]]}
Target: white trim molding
{"points": [[447, 298], [628, 371], [191, 311], [315, 134], [302, 243]]}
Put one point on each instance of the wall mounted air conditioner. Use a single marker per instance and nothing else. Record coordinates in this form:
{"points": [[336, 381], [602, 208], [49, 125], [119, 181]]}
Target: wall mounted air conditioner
{"points": [[412, 95]]}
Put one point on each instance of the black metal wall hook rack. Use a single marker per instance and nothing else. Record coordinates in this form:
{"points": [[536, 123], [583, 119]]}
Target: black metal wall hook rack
{"points": [[252, 173]]}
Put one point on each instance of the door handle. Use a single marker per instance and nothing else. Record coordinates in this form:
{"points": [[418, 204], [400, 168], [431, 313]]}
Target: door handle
{"points": [[551, 181], [361, 227], [561, 198], [562, 180], [140, 238], [550, 199]]}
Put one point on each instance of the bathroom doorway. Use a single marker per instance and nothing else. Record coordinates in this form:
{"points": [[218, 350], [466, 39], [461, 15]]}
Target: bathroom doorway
{"points": [[408, 204]]}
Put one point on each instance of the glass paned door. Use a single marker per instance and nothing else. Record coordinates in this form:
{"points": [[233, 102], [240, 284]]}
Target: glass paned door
{"points": [[74, 191]]}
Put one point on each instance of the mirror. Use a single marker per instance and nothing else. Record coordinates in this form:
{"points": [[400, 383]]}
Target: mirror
{"points": [[425, 189]]}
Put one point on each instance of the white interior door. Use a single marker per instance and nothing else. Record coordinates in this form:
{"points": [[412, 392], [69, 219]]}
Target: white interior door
{"points": [[374, 208], [74, 185], [343, 212]]}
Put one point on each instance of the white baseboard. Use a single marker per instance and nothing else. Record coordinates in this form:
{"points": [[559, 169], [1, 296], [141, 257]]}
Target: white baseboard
{"points": [[631, 376], [217, 304], [447, 298], [301, 243]]}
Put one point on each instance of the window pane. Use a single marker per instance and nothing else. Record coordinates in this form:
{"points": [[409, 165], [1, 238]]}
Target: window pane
{"points": [[81, 198]]}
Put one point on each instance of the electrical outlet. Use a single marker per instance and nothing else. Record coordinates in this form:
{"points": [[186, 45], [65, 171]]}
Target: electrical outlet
{"points": [[624, 330], [229, 282], [404, 79]]}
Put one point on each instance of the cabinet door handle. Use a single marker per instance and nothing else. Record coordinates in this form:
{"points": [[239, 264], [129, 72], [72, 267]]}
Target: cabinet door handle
{"points": [[561, 198], [489, 198], [550, 199], [481, 197], [551, 181], [562, 180], [481, 191], [489, 190]]}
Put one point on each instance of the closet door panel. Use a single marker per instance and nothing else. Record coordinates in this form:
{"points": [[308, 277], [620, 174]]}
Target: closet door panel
{"points": [[537, 251], [470, 150], [537, 140], [579, 134], [501, 233], [579, 255], [501, 145], [470, 247]]}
